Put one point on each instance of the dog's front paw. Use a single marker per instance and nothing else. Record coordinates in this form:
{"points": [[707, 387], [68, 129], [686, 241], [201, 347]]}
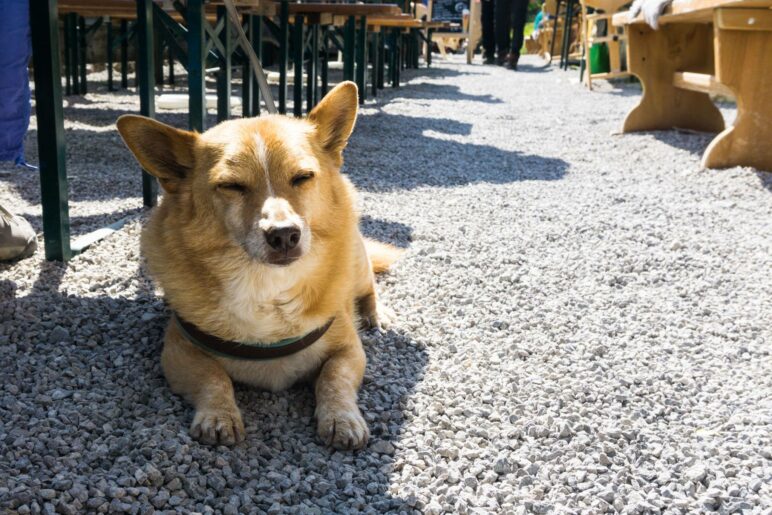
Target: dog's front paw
{"points": [[218, 426], [344, 429]]}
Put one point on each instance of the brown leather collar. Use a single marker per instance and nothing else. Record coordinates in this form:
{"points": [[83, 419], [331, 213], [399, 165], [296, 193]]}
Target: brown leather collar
{"points": [[240, 350]]}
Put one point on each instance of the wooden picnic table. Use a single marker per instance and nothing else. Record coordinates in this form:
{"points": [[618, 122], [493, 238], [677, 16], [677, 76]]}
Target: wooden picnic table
{"points": [[195, 35], [705, 47]]}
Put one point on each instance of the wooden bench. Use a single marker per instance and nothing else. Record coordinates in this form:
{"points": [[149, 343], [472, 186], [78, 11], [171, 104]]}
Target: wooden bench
{"points": [[706, 47]]}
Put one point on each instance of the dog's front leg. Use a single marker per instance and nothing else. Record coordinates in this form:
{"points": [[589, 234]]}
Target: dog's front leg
{"points": [[339, 420], [205, 384]]}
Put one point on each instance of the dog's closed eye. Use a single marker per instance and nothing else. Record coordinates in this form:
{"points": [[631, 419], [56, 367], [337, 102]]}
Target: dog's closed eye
{"points": [[301, 178], [233, 187]]}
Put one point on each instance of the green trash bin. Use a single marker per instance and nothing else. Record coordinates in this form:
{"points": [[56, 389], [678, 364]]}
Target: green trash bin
{"points": [[599, 62]]}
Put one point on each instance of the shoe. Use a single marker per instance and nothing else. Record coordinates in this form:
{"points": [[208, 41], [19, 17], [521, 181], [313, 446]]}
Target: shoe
{"points": [[512, 60], [17, 238], [489, 60], [501, 60]]}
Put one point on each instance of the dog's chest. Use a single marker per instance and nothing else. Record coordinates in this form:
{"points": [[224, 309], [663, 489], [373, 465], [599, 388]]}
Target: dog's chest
{"points": [[262, 307]]}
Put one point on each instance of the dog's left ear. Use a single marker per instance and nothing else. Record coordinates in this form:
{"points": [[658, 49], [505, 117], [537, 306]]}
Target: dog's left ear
{"points": [[335, 115]]}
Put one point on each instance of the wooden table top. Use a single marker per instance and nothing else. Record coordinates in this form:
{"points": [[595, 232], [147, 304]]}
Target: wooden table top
{"points": [[344, 9], [692, 11]]}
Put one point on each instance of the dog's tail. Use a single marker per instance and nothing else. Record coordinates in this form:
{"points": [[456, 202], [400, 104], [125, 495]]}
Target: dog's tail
{"points": [[382, 255]]}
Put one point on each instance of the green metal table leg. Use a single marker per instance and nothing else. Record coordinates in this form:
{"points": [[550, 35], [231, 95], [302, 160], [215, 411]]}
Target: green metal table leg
{"points": [[256, 36], [146, 80], [124, 54], [196, 72], [170, 51], [75, 53], [158, 60], [349, 45], [67, 54], [375, 55], [362, 59], [414, 47], [48, 96], [381, 59], [297, 62], [398, 56], [82, 45], [246, 73], [313, 62], [325, 65], [429, 33], [283, 54], [109, 55], [224, 74]]}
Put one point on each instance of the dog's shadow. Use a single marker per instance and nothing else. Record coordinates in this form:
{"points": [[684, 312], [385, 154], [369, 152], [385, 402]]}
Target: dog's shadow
{"points": [[88, 367]]}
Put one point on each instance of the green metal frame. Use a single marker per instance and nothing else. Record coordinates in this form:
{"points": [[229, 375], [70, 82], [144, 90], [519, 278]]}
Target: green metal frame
{"points": [[48, 110], [361, 53], [312, 69], [146, 78], [349, 46], [283, 54], [297, 60], [224, 74], [194, 16], [256, 37], [125, 54]]}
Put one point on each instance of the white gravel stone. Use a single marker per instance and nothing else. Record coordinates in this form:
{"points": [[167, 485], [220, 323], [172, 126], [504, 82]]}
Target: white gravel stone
{"points": [[567, 294]]}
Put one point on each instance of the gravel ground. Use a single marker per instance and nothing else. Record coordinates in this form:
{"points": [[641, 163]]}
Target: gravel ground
{"points": [[583, 325]]}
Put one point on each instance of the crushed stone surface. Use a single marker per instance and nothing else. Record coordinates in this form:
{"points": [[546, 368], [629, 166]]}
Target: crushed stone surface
{"points": [[582, 324]]}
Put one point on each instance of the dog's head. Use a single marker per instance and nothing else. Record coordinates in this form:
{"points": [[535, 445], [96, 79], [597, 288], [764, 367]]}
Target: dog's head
{"points": [[270, 182]]}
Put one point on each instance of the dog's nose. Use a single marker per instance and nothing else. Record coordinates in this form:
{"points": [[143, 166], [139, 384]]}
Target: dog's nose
{"points": [[283, 239]]}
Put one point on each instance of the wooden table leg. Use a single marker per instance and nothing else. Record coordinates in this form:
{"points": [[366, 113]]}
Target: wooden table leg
{"points": [[654, 56], [743, 63]]}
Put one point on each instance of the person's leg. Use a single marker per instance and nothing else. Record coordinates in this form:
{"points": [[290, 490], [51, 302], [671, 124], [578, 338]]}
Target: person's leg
{"points": [[503, 26], [489, 38], [520, 12]]}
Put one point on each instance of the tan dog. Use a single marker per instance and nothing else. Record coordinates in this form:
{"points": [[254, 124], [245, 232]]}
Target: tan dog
{"points": [[256, 241]]}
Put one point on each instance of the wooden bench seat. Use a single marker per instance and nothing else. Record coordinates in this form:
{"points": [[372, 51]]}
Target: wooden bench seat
{"points": [[704, 48]]}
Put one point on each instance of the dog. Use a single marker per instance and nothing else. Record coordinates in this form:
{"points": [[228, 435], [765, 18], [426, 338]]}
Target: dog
{"points": [[256, 246]]}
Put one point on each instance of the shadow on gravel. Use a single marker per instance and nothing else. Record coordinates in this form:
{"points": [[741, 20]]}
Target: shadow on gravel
{"points": [[386, 231], [450, 92], [624, 88], [396, 152], [529, 68], [84, 224], [691, 141], [86, 413], [766, 179]]}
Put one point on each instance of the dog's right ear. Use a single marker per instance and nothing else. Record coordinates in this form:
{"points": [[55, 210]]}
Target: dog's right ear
{"points": [[162, 151]]}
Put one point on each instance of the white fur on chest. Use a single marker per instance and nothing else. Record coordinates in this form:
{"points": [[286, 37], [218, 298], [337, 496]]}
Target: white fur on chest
{"points": [[261, 307]]}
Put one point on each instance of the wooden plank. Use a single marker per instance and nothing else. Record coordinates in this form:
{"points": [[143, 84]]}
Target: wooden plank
{"points": [[701, 82], [345, 9], [654, 56], [692, 11], [743, 64], [744, 19]]}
